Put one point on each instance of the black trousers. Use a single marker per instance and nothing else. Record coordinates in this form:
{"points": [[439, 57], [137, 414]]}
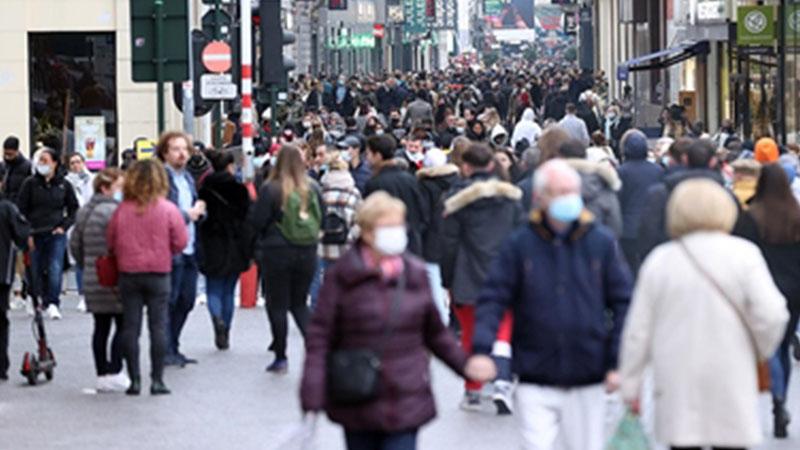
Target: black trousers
{"points": [[102, 330], [287, 274], [5, 289], [139, 290]]}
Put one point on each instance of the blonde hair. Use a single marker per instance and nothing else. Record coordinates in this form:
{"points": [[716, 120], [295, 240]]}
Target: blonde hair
{"points": [[376, 206], [290, 173], [700, 205]]}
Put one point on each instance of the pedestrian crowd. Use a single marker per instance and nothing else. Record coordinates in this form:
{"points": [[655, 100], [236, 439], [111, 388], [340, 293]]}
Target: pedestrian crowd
{"points": [[512, 223]]}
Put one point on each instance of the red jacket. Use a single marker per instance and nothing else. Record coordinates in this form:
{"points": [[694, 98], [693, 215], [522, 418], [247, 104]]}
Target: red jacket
{"points": [[144, 242], [351, 314]]}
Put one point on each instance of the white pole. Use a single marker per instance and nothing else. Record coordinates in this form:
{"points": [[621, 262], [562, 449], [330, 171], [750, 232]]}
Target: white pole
{"points": [[246, 56]]}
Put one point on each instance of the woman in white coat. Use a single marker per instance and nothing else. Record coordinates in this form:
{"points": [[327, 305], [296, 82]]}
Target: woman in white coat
{"points": [[704, 310]]}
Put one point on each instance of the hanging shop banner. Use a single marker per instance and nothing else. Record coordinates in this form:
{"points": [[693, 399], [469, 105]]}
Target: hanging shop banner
{"points": [[90, 140], [793, 25], [505, 14], [755, 25]]}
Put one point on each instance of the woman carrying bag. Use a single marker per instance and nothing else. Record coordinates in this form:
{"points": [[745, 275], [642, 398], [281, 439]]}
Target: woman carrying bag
{"points": [[367, 346]]}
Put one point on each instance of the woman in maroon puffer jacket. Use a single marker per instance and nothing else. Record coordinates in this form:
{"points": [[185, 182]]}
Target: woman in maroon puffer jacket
{"points": [[352, 313]]}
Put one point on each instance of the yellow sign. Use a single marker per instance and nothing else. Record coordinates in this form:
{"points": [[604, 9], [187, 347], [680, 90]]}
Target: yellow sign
{"points": [[145, 148]]}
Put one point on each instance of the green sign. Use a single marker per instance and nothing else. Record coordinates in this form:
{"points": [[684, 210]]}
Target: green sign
{"points": [[755, 25], [793, 25], [175, 48], [347, 40]]}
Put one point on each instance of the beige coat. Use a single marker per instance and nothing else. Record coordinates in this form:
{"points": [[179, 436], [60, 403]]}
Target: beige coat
{"points": [[702, 357]]}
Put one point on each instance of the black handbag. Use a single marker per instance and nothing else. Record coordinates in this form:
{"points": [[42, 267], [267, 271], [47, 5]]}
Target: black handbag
{"points": [[353, 375]]}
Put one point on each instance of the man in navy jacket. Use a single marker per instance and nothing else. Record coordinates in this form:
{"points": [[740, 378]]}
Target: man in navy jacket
{"points": [[566, 282]]}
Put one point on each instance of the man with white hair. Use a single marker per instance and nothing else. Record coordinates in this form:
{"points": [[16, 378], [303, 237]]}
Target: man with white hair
{"points": [[564, 279]]}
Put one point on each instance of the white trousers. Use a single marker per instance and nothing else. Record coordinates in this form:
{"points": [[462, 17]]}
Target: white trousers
{"points": [[569, 419], [439, 292]]}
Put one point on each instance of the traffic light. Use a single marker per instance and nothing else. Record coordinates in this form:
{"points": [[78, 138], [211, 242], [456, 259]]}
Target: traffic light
{"points": [[274, 64]]}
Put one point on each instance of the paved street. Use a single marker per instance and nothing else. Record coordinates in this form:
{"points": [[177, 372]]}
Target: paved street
{"points": [[227, 401]]}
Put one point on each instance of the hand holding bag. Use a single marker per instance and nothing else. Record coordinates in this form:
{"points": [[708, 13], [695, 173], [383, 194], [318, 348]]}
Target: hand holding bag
{"points": [[353, 375], [762, 367]]}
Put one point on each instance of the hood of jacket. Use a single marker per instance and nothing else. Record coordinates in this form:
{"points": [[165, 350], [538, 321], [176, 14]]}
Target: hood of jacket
{"points": [[528, 115], [581, 226], [437, 172], [479, 190], [338, 179], [635, 147], [596, 172], [675, 178], [499, 132]]}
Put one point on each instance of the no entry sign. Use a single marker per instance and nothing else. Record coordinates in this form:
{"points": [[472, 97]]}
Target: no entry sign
{"points": [[217, 57]]}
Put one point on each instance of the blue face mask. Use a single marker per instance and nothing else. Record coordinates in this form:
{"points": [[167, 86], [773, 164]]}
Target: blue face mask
{"points": [[118, 196], [565, 209]]}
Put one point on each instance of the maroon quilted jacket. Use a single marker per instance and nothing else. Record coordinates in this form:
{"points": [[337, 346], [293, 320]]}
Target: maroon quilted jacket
{"points": [[352, 311]]}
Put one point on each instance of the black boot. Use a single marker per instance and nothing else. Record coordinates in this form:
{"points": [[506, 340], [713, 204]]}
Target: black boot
{"points": [[781, 418], [159, 388], [226, 339], [135, 387], [219, 333]]}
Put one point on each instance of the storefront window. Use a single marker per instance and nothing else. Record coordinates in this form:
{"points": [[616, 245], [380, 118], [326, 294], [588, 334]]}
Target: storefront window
{"points": [[73, 94]]}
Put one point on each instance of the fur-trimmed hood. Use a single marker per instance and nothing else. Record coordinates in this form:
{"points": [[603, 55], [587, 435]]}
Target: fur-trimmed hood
{"points": [[579, 228], [436, 172], [606, 172], [479, 190]]}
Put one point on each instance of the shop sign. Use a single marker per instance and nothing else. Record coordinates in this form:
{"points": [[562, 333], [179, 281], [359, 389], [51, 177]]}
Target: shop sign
{"points": [[712, 10], [793, 25], [90, 140], [755, 25], [145, 148]]}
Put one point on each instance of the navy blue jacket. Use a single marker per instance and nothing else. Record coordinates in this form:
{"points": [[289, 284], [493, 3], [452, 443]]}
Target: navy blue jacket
{"points": [[637, 175], [569, 296]]}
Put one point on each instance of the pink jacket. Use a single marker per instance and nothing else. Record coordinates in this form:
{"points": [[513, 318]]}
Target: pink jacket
{"points": [[145, 242]]}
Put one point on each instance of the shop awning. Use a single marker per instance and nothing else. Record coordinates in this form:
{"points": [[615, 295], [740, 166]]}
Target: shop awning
{"points": [[662, 58]]}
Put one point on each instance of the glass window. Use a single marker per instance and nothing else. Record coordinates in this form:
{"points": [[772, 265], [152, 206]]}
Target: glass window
{"points": [[73, 94]]}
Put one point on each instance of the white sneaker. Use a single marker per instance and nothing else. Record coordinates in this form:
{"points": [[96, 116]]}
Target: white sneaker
{"points": [[17, 304], [81, 305], [201, 300], [502, 397], [118, 382], [104, 384], [471, 402], [53, 313], [29, 307]]}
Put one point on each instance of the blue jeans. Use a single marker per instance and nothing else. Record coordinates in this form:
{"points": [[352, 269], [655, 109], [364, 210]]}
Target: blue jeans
{"points": [[379, 440], [219, 292], [182, 297], [47, 267], [79, 279], [780, 365], [316, 283]]}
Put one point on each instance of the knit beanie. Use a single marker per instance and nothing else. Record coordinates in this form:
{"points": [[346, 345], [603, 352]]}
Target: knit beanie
{"points": [[766, 151]]}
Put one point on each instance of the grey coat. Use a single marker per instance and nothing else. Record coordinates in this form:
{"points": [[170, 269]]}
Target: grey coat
{"points": [[88, 242]]}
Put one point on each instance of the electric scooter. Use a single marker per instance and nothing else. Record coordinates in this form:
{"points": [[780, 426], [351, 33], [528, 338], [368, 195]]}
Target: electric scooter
{"points": [[41, 361]]}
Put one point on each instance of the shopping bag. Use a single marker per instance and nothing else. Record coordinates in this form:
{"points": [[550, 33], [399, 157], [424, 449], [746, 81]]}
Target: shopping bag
{"points": [[300, 437], [629, 435]]}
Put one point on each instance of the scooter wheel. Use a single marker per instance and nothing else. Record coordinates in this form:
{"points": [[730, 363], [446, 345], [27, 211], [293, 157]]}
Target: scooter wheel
{"points": [[49, 373], [32, 374]]}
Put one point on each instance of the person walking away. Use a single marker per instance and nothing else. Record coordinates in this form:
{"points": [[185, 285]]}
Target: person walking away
{"points": [[224, 241], [14, 233], [527, 129], [341, 199], [286, 218], [717, 291], [600, 151], [562, 271], [81, 180], [478, 215], [772, 222], [87, 243], [377, 298], [144, 234], [637, 176], [173, 151], [48, 201], [575, 126], [745, 180], [391, 177], [436, 179], [18, 168]]}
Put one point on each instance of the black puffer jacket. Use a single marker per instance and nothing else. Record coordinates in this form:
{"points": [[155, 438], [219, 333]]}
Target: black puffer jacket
{"points": [[477, 218], [393, 178], [225, 237], [48, 204], [434, 183], [14, 232], [17, 171]]}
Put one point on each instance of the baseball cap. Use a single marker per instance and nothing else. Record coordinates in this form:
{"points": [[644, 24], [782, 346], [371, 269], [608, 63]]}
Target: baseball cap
{"points": [[349, 141]]}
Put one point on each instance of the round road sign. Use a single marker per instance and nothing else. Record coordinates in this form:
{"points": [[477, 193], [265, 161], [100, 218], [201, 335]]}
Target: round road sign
{"points": [[217, 57]]}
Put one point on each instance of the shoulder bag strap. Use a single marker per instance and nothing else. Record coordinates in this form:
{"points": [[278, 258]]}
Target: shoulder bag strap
{"points": [[398, 296], [720, 291]]}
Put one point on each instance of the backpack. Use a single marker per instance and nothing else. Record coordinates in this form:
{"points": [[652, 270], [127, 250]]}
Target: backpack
{"points": [[301, 228], [335, 229]]}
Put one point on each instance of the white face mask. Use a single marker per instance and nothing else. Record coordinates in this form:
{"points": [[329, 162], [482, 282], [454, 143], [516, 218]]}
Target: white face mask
{"points": [[391, 241], [43, 169]]}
